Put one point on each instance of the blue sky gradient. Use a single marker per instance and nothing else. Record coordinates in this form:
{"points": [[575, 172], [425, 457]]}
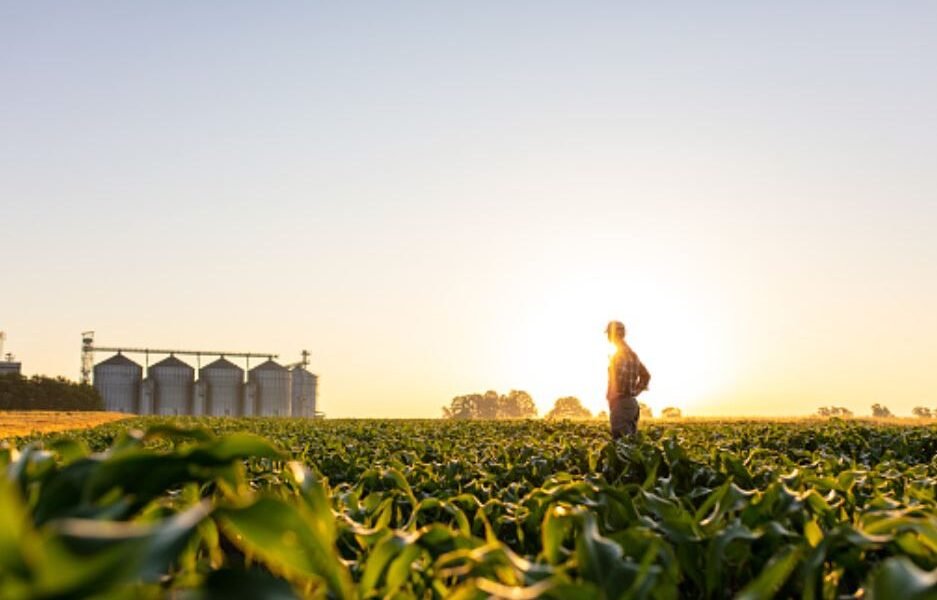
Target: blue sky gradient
{"points": [[438, 199]]}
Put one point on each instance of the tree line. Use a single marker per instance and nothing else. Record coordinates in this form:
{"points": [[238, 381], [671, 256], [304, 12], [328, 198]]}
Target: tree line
{"points": [[879, 411], [518, 404], [46, 393]]}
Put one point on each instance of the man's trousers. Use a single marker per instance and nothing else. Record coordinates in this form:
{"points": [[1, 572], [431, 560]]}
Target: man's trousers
{"points": [[623, 412]]}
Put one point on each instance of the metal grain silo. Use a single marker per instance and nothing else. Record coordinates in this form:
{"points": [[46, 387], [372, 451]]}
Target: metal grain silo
{"points": [[273, 389], [147, 396], [304, 392], [117, 379], [250, 399], [224, 382], [173, 380], [199, 398]]}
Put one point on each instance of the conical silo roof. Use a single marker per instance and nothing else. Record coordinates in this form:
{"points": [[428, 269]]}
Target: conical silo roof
{"points": [[172, 361], [269, 365], [222, 363], [118, 360]]}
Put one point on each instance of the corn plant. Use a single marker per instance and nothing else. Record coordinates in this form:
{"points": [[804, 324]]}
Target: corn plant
{"points": [[273, 508]]}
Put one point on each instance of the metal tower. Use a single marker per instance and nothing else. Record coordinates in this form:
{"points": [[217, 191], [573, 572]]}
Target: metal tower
{"points": [[87, 356], [302, 363]]}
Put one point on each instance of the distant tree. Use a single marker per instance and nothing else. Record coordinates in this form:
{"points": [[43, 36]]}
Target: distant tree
{"points": [[922, 412], [568, 407], [646, 412], [834, 411], [602, 416], [488, 405], [46, 393], [881, 411], [462, 407], [671, 413], [516, 404]]}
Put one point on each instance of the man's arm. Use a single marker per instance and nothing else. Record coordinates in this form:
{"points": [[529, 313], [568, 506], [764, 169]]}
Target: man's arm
{"points": [[644, 377]]}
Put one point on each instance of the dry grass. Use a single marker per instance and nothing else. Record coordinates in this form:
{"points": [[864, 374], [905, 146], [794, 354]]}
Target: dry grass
{"points": [[14, 423]]}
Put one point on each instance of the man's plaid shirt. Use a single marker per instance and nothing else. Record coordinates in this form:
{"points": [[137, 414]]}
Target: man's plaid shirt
{"points": [[627, 376]]}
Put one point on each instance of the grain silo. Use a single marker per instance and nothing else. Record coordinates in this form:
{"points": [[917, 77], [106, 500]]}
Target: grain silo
{"points": [[304, 386], [272, 381], [147, 396], [250, 399], [199, 398], [118, 379], [173, 381], [224, 383]]}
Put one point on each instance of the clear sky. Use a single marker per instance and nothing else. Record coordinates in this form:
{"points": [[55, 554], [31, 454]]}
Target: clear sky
{"points": [[439, 198]]}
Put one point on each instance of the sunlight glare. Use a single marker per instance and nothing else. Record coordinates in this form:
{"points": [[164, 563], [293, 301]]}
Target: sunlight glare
{"points": [[560, 349]]}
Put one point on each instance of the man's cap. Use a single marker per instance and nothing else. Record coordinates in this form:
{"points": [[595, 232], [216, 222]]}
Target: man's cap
{"points": [[615, 325]]}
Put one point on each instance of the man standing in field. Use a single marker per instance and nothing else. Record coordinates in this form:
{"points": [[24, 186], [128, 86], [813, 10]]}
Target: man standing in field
{"points": [[627, 377]]}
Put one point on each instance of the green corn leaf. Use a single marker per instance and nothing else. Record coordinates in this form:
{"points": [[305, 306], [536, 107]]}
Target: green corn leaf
{"points": [[232, 447], [773, 576], [84, 556], [899, 578], [285, 539], [379, 560], [255, 584]]}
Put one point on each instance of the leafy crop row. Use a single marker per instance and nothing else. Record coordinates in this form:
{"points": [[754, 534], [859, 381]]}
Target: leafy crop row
{"points": [[198, 508]]}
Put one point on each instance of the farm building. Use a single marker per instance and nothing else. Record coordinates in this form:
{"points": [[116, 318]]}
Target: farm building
{"points": [[9, 367], [170, 387]]}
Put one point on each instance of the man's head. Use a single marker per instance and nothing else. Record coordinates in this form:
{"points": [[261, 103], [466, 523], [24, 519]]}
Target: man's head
{"points": [[615, 330]]}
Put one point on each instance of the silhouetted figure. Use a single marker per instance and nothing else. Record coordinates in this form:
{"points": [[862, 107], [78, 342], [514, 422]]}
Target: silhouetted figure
{"points": [[627, 377]]}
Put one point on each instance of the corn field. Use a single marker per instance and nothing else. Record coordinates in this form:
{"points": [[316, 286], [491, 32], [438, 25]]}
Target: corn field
{"points": [[266, 508]]}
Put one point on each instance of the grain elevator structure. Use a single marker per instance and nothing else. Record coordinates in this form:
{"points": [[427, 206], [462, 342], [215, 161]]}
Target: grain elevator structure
{"points": [[220, 388], [118, 380]]}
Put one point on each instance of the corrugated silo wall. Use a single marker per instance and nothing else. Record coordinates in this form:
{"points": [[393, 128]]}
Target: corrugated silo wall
{"points": [[303, 393], [225, 391], [174, 384], [273, 392], [119, 386], [147, 396], [313, 396], [250, 399]]}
